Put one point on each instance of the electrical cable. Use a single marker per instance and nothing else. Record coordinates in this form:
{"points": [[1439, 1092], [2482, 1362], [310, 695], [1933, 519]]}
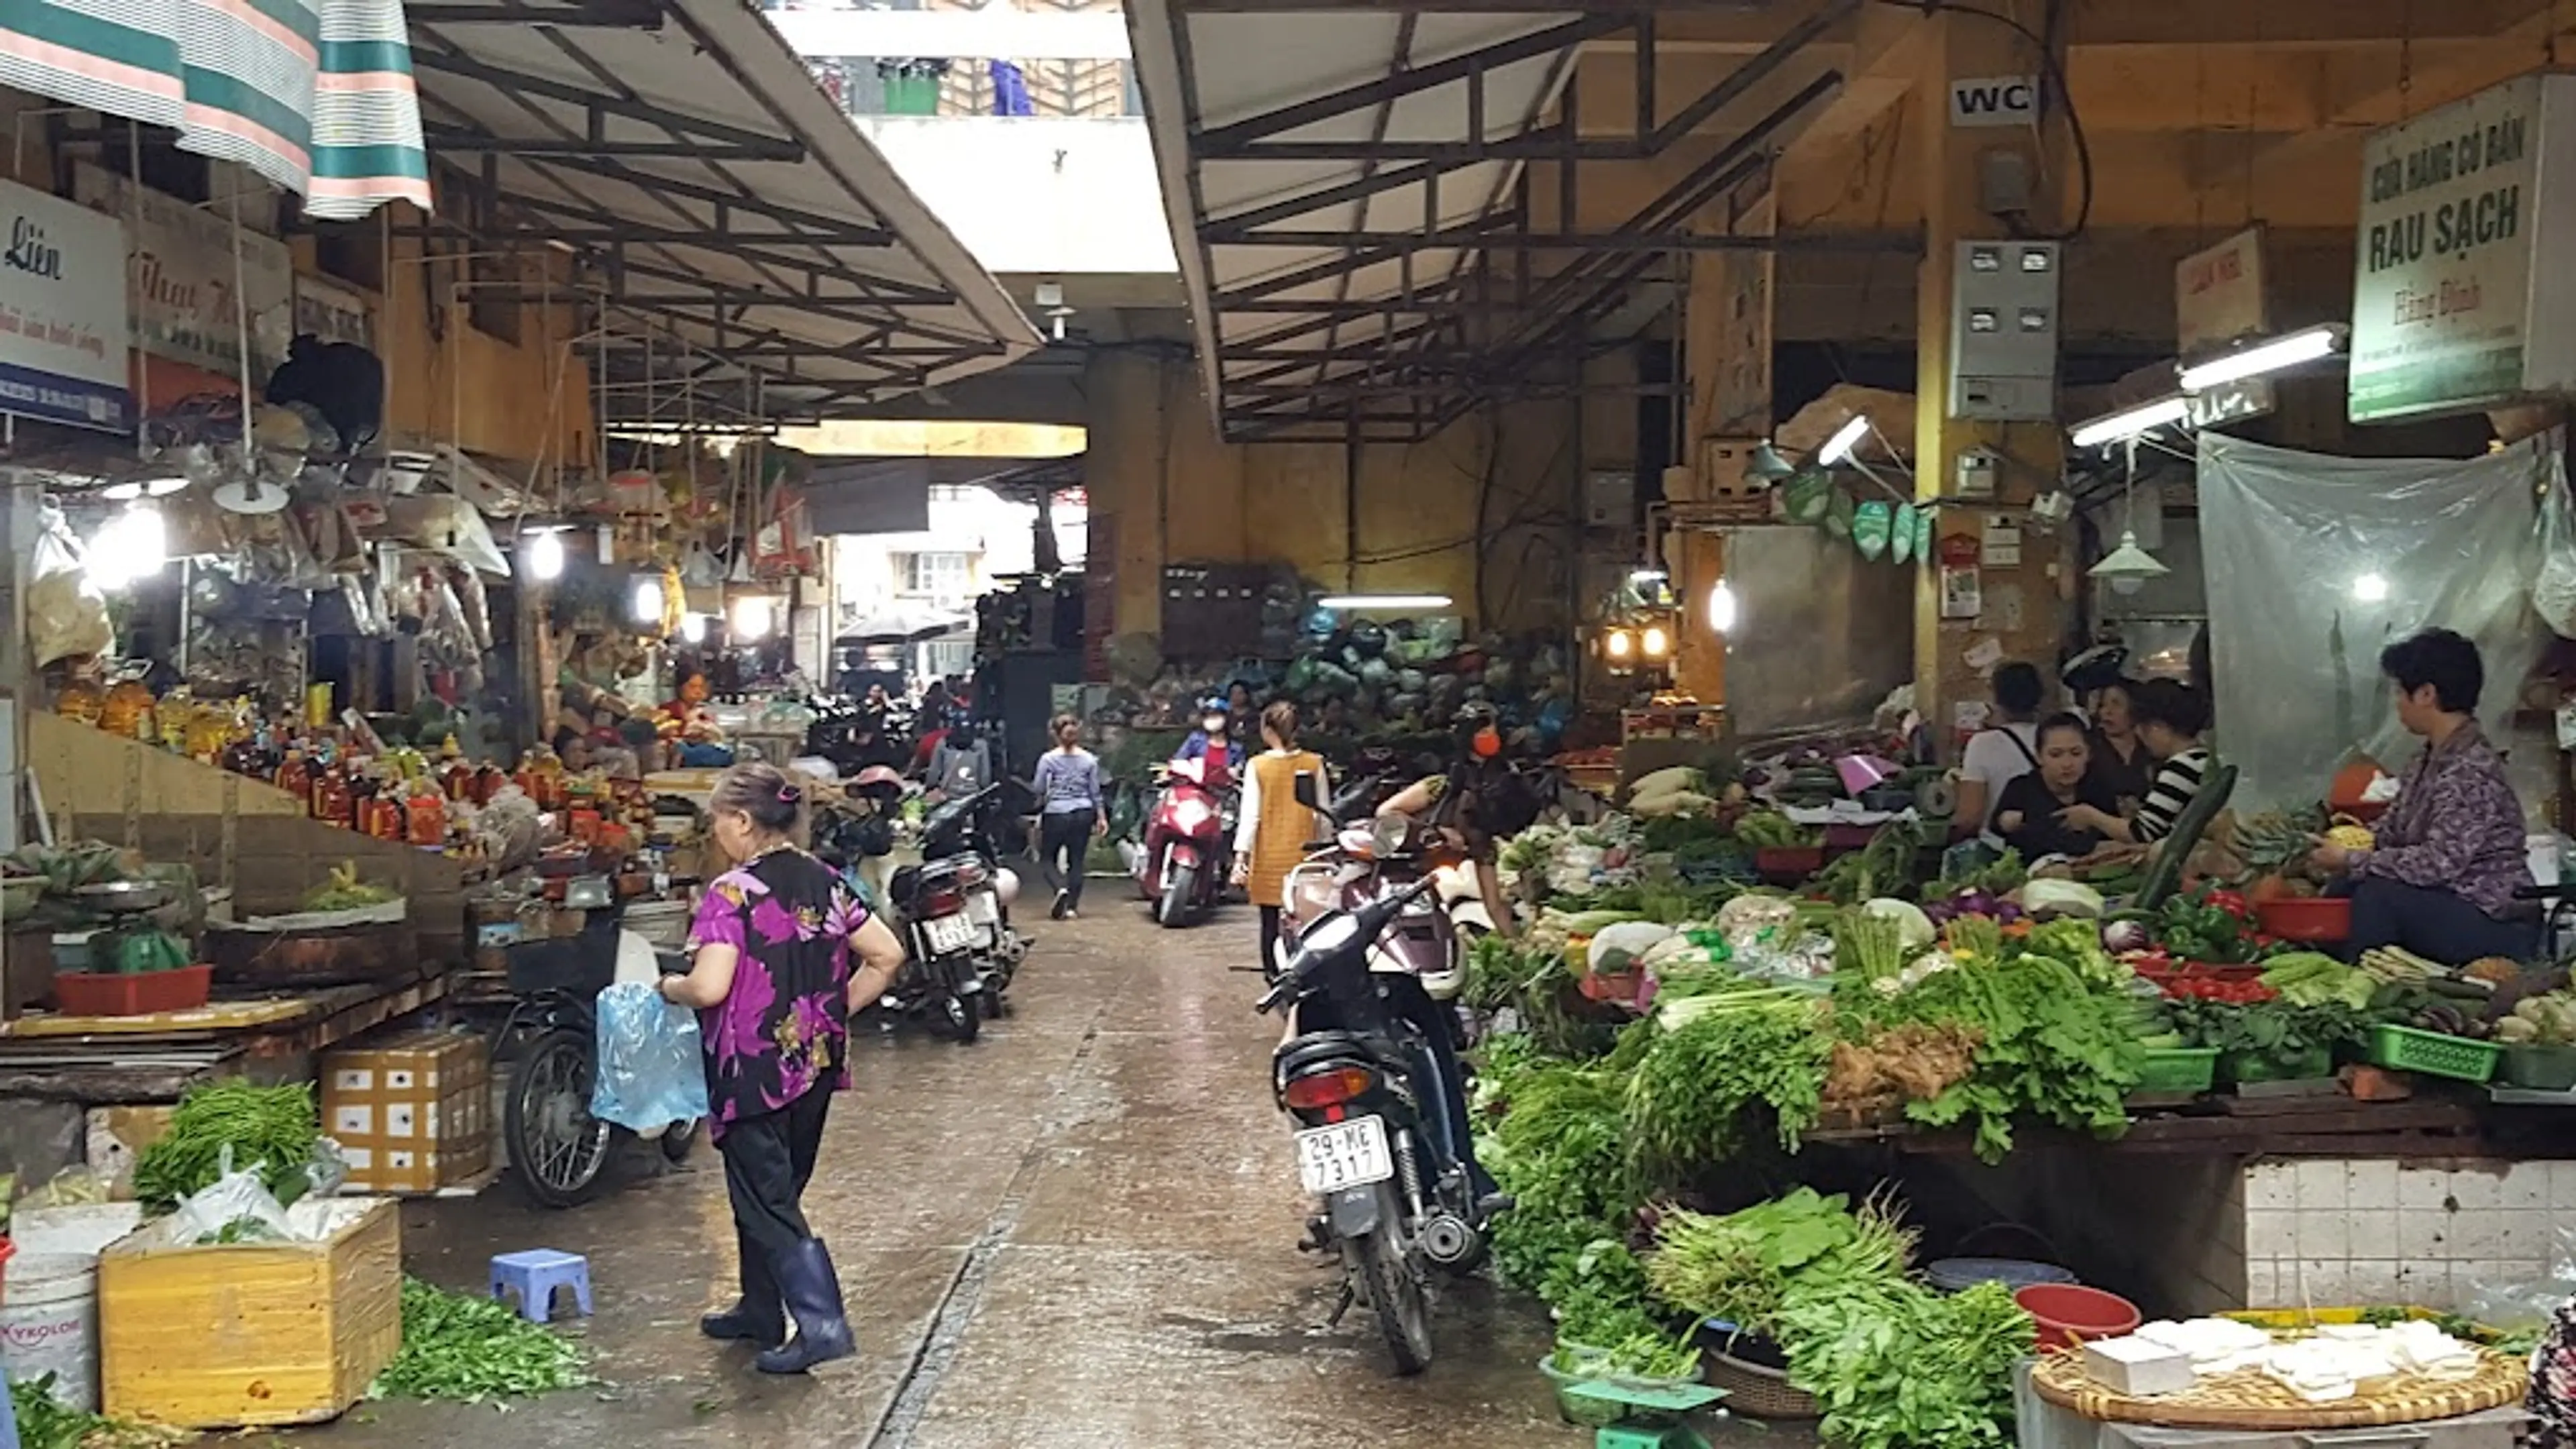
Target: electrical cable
{"points": [[2052, 80]]}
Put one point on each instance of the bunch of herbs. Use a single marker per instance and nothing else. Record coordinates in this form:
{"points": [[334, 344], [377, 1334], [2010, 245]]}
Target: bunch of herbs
{"points": [[2053, 1045], [1697, 1085], [456, 1346]]}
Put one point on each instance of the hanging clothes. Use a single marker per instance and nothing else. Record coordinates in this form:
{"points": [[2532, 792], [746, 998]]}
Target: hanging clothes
{"points": [[1010, 91]]}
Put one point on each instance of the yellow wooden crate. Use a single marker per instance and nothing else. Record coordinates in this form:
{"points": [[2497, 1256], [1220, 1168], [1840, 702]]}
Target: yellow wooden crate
{"points": [[251, 1334]]}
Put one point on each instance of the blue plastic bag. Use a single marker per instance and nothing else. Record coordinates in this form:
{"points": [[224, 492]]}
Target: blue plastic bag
{"points": [[651, 1073]]}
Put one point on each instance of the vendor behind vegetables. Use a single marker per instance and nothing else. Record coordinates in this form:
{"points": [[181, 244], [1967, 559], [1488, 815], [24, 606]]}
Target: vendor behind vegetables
{"points": [[2029, 816], [2170, 718], [2441, 874], [1477, 803]]}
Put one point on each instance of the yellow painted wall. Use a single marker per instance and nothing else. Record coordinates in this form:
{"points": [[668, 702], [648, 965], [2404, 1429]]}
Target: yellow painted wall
{"points": [[1177, 494]]}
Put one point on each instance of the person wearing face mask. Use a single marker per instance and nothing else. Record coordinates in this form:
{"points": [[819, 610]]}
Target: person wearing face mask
{"points": [[2027, 816], [1214, 740], [773, 981]]}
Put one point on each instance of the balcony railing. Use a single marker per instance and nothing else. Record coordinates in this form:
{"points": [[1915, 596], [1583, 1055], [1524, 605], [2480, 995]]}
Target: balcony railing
{"points": [[939, 87]]}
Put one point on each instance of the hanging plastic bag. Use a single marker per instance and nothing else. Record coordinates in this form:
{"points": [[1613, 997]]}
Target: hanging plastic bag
{"points": [[2553, 591], [650, 1072], [66, 613], [1869, 529], [236, 1207]]}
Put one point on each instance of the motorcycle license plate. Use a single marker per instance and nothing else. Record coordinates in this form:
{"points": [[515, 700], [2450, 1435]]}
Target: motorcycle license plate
{"points": [[984, 908], [1346, 1154], [948, 933]]}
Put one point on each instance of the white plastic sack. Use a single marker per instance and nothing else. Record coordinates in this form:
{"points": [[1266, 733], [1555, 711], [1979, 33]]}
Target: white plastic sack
{"points": [[2553, 594], [66, 613], [650, 1071], [2315, 564]]}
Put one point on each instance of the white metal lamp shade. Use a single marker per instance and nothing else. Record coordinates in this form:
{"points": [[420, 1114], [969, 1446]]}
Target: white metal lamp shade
{"points": [[2128, 567]]}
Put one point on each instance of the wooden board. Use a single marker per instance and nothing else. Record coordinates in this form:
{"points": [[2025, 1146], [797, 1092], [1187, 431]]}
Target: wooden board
{"points": [[265, 1026], [216, 1016]]}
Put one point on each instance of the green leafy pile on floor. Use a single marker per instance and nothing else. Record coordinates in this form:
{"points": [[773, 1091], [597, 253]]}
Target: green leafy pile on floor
{"points": [[456, 1346], [45, 1424]]}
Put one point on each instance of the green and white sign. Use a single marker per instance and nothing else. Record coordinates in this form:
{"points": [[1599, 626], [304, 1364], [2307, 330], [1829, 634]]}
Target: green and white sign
{"points": [[2449, 313]]}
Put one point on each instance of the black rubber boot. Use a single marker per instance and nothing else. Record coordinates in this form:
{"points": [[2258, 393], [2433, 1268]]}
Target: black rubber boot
{"points": [[813, 1293]]}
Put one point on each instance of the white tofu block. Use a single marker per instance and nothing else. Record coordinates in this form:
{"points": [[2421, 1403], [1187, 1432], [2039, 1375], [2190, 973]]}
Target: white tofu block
{"points": [[2137, 1367]]}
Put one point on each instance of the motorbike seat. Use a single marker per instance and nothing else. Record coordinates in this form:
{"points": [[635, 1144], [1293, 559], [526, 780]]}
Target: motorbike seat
{"points": [[906, 880], [1316, 1048]]}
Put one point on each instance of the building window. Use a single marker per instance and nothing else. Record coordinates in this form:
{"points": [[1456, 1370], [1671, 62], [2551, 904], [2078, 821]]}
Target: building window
{"points": [[940, 576], [944, 657]]}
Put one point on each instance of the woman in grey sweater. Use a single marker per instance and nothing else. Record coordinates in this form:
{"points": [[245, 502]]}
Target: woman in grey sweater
{"points": [[1071, 811]]}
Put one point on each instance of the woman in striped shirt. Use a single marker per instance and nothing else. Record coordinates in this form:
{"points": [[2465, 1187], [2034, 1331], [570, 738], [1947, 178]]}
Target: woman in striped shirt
{"points": [[2169, 719]]}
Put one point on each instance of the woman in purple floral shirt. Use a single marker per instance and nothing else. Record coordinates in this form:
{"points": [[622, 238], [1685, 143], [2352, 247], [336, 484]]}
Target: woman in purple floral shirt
{"points": [[2441, 878], [774, 990]]}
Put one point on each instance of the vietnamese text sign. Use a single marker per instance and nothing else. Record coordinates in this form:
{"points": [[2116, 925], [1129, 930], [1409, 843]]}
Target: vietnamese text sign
{"points": [[2449, 314], [62, 312], [186, 284], [2218, 294]]}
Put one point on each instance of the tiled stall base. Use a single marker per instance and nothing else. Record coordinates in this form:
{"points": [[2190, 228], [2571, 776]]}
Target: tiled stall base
{"points": [[2345, 1231]]}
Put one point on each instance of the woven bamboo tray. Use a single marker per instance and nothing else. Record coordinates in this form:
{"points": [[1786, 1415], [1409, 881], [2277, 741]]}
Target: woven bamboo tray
{"points": [[2253, 1402]]}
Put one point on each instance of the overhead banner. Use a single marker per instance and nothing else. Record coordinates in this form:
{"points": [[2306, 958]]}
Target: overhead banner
{"points": [[2449, 314], [62, 312], [185, 279]]}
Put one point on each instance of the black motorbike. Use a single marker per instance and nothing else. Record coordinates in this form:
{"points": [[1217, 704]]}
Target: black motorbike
{"points": [[558, 1150], [961, 951], [1394, 1199], [853, 737]]}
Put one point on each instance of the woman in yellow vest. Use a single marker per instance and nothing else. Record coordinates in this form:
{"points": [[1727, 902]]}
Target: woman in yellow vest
{"points": [[1272, 828]]}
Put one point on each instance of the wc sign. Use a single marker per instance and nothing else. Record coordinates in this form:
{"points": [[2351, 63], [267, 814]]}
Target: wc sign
{"points": [[2005, 100]]}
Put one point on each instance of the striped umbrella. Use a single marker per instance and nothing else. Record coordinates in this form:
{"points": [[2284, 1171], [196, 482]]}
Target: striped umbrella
{"points": [[314, 95]]}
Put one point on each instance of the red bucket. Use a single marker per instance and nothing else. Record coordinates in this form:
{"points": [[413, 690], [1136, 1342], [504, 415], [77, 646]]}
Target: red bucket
{"points": [[2321, 920], [2069, 1313]]}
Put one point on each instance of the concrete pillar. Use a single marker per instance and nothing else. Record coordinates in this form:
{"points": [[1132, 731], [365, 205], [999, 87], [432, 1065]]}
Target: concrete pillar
{"points": [[2024, 605]]}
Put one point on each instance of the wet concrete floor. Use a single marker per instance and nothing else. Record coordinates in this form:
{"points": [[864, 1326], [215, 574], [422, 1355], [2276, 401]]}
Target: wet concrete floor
{"points": [[1077, 1231]]}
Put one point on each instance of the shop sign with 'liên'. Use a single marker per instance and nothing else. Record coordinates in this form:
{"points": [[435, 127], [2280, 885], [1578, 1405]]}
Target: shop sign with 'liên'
{"points": [[62, 312], [2451, 313], [191, 291]]}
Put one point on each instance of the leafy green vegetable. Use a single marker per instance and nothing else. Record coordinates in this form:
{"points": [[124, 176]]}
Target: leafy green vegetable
{"points": [[46, 1423], [274, 1127], [456, 1346], [1691, 1093], [1739, 1267], [1898, 1366], [2053, 1045]]}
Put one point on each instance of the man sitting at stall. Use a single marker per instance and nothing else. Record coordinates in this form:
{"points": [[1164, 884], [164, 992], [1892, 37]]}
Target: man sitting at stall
{"points": [[2169, 718], [2441, 878], [2027, 816]]}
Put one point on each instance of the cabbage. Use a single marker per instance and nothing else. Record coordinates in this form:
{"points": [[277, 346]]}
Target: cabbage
{"points": [[1913, 927], [1634, 938], [2060, 898]]}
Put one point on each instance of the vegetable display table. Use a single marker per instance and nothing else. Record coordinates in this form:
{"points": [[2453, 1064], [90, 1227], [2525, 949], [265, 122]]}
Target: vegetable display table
{"points": [[2254, 1402]]}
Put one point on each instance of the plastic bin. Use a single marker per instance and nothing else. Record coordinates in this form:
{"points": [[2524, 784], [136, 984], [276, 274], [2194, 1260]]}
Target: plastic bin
{"points": [[2068, 1313], [2175, 1070], [49, 1325], [2432, 1053], [142, 993], [2321, 920], [2540, 1068], [1957, 1275]]}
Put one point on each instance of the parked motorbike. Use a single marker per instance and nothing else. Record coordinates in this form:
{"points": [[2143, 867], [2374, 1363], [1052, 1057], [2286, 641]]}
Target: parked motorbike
{"points": [[1357, 1073], [953, 911], [558, 1151], [972, 827], [1380, 854], [853, 739], [1182, 868]]}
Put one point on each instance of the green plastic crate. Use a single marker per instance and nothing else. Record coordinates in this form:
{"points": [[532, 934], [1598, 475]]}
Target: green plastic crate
{"points": [[2177, 1069], [2435, 1055]]}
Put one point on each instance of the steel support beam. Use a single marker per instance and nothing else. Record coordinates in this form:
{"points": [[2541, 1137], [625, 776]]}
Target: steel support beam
{"points": [[460, 141], [1586, 242], [589, 14], [591, 102], [1537, 44]]}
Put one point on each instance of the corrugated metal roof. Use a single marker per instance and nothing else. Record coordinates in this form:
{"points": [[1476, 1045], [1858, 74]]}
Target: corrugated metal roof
{"points": [[727, 202]]}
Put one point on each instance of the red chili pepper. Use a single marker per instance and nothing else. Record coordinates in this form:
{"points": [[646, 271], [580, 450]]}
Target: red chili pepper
{"points": [[2232, 903]]}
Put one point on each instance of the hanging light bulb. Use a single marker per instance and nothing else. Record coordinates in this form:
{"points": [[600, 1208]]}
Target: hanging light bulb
{"points": [[1655, 641], [128, 548], [751, 618], [693, 628], [2370, 588], [647, 602], [545, 554], [1721, 608], [1619, 643]]}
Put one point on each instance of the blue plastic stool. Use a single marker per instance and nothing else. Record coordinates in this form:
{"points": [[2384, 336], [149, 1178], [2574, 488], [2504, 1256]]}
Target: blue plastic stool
{"points": [[535, 1275]]}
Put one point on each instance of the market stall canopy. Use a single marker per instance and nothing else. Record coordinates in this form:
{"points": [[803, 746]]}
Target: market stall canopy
{"points": [[903, 626], [313, 95], [732, 210], [1346, 184]]}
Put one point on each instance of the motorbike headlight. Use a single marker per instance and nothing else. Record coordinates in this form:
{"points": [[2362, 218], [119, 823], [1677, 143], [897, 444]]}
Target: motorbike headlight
{"points": [[1310, 893], [1387, 834], [1190, 815]]}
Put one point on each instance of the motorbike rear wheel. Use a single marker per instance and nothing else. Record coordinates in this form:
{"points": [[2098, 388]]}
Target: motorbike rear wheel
{"points": [[958, 1018], [558, 1150], [1397, 1296], [1180, 887]]}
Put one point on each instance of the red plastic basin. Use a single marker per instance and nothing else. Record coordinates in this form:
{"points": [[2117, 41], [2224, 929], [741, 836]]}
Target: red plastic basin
{"points": [[2069, 1313], [2319, 920]]}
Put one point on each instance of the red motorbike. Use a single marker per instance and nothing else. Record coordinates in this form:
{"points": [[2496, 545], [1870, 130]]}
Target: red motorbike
{"points": [[1182, 868]]}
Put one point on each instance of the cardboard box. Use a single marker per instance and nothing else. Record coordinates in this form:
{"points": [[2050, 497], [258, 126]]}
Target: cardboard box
{"points": [[411, 1112], [251, 1334], [115, 1136]]}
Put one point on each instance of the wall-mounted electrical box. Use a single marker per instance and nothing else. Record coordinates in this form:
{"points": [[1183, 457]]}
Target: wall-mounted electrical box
{"points": [[2004, 330]]}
